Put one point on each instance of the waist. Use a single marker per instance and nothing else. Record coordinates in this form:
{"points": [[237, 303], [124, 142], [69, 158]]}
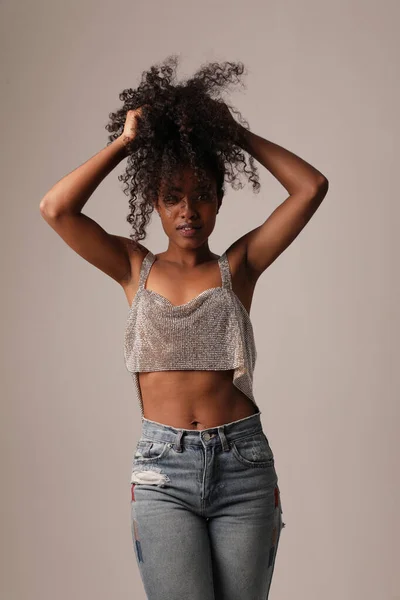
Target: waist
{"points": [[193, 399], [232, 430]]}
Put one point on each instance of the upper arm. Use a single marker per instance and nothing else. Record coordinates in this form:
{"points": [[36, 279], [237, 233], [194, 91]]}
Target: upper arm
{"points": [[109, 253], [265, 243]]}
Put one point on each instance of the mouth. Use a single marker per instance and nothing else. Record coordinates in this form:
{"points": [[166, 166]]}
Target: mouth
{"points": [[188, 227], [188, 231]]}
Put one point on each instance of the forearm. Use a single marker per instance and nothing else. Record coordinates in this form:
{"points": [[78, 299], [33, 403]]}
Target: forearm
{"points": [[294, 173], [71, 193]]}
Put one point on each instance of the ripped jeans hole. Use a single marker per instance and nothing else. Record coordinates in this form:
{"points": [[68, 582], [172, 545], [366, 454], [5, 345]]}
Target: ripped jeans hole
{"points": [[150, 476]]}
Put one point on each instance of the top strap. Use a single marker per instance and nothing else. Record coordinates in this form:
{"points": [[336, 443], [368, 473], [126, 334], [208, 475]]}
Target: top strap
{"points": [[145, 268], [223, 263], [225, 271]]}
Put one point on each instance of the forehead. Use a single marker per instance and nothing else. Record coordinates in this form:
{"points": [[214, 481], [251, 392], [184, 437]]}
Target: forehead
{"points": [[184, 179]]}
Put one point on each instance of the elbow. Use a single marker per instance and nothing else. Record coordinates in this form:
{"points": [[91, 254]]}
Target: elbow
{"points": [[324, 182], [44, 208], [321, 187], [324, 187], [47, 209], [318, 188]]}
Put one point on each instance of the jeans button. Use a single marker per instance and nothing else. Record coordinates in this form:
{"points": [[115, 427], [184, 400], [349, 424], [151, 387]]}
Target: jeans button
{"points": [[206, 437]]}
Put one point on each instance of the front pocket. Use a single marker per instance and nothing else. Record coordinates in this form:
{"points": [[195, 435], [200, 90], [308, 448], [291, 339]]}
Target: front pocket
{"points": [[149, 450], [253, 451]]}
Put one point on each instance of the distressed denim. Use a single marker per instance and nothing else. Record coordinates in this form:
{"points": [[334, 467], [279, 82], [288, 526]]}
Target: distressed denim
{"points": [[206, 514]]}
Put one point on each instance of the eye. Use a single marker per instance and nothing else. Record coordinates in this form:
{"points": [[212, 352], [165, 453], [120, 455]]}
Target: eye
{"points": [[204, 196]]}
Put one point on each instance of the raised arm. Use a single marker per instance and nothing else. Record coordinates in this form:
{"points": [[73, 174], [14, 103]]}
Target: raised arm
{"points": [[62, 208], [307, 188]]}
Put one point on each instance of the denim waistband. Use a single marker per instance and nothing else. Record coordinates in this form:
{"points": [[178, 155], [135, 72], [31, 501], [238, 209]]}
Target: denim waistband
{"points": [[221, 434]]}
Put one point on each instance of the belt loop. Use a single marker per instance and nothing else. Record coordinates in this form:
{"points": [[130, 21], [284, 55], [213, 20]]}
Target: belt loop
{"points": [[222, 437], [178, 444]]}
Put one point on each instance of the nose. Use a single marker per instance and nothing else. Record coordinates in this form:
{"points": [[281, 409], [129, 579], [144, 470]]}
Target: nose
{"points": [[187, 207]]}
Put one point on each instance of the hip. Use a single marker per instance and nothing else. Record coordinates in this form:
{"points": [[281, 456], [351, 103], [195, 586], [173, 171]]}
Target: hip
{"points": [[228, 465]]}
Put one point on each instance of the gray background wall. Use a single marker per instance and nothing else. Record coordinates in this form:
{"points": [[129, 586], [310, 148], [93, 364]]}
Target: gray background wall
{"points": [[323, 82]]}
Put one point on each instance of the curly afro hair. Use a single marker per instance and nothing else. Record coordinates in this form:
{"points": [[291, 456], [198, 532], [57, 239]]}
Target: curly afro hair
{"points": [[182, 124]]}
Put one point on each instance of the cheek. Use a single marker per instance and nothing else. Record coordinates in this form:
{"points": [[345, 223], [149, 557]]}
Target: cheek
{"points": [[165, 212], [211, 213], [168, 214], [168, 217]]}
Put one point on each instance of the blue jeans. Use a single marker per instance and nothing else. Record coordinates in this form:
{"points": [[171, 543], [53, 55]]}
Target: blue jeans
{"points": [[206, 514]]}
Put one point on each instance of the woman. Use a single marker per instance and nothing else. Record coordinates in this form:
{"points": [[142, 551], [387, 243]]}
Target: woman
{"points": [[206, 513]]}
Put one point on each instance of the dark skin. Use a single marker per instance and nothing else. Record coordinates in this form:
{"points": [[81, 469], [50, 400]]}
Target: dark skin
{"points": [[191, 399], [188, 399]]}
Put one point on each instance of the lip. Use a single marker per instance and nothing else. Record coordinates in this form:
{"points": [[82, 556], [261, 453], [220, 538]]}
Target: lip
{"points": [[190, 232]]}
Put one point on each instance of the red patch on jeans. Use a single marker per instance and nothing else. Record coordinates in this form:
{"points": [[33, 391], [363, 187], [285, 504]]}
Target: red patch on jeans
{"points": [[133, 491], [276, 495]]}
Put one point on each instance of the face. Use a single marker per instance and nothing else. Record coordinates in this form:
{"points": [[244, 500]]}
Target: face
{"points": [[182, 200]]}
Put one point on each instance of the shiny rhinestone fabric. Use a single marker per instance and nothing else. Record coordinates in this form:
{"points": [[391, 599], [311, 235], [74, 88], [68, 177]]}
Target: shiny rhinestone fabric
{"points": [[213, 331]]}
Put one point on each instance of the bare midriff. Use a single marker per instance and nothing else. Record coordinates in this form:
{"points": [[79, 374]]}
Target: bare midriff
{"points": [[193, 399]]}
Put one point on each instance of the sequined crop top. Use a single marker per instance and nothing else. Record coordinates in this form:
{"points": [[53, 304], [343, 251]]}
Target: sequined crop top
{"points": [[213, 331]]}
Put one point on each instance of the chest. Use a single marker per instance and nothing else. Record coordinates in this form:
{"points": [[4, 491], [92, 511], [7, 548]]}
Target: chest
{"points": [[180, 286]]}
